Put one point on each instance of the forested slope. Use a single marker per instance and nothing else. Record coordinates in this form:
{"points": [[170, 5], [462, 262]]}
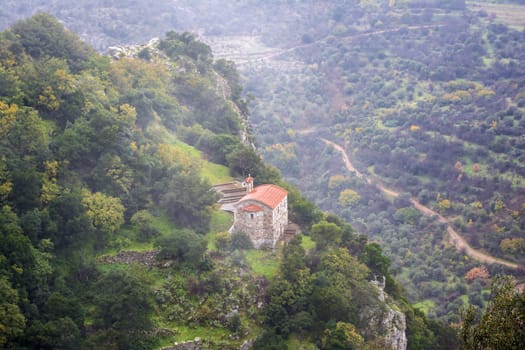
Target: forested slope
{"points": [[109, 233], [93, 164]]}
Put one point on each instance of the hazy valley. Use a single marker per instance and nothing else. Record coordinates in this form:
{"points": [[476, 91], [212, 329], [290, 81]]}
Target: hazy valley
{"points": [[403, 121]]}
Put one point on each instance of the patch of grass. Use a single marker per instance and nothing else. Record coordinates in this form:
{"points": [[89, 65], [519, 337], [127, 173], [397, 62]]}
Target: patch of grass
{"points": [[163, 224], [105, 268], [189, 333], [220, 221], [210, 241], [426, 306], [464, 299], [263, 262], [188, 149], [185, 333], [307, 243], [215, 173], [129, 236]]}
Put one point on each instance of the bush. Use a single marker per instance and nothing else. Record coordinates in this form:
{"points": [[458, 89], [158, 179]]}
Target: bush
{"points": [[184, 246], [143, 220], [235, 323], [241, 240], [223, 241]]}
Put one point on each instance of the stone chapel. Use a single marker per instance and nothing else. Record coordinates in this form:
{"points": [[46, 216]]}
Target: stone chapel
{"points": [[262, 214]]}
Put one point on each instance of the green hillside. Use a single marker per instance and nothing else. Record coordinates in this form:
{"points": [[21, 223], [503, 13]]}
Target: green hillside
{"points": [[106, 209], [110, 237]]}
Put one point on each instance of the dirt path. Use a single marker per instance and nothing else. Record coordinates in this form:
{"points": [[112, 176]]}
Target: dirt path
{"points": [[453, 236]]}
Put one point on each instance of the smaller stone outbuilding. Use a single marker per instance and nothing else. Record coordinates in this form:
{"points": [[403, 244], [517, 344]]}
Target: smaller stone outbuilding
{"points": [[262, 214]]}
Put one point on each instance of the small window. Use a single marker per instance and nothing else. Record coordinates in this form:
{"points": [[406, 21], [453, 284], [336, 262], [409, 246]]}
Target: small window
{"points": [[252, 215]]}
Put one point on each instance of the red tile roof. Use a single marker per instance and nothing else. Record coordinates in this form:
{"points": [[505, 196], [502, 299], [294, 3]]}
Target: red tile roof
{"points": [[270, 195], [252, 208]]}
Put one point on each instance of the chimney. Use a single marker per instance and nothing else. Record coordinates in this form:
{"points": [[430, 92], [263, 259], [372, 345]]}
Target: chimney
{"points": [[249, 184]]}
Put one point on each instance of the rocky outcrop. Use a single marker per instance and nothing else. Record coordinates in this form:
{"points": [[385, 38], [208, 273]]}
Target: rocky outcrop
{"points": [[385, 321], [394, 323]]}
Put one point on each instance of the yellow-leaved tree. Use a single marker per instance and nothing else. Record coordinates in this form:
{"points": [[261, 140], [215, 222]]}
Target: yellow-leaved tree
{"points": [[105, 212], [5, 183], [348, 198], [7, 117]]}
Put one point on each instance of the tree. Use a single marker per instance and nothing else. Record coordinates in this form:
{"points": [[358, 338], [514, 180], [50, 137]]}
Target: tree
{"points": [[501, 325], [122, 314], [407, 215], [243, 160], [59, 333], [270, 341], [26, 134], [293, 259], [42, 35], [8, 114], [513, 246], [27, 184], [184, 246], [481, 273], [343, 337], [176, 44], [419, 337], [17, 254], [5, 182], [187, 200], [76, 143], [375, 260], [143, 220], [348, 198], [68, 221], [106, 213], [444, 204], [326, 234], [12, 321], [339, 287], [301, 210]]}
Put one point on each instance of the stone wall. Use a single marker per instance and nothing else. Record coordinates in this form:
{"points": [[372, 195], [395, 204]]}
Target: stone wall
{"points": [[258, 227], [148, 258]]}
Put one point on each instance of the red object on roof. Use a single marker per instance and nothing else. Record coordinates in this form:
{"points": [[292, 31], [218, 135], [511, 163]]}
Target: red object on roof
{"points": [[270, 195], [252, 208]]}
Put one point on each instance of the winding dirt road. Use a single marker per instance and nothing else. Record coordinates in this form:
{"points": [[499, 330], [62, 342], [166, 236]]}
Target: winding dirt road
{"points": [[453, 236]]}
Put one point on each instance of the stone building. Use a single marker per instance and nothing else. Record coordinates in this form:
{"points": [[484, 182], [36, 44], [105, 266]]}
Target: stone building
{"points": [[262, 214]]}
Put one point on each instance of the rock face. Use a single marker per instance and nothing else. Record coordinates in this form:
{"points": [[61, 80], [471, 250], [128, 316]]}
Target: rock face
{"points": [[394, 324], [385, 321]]}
